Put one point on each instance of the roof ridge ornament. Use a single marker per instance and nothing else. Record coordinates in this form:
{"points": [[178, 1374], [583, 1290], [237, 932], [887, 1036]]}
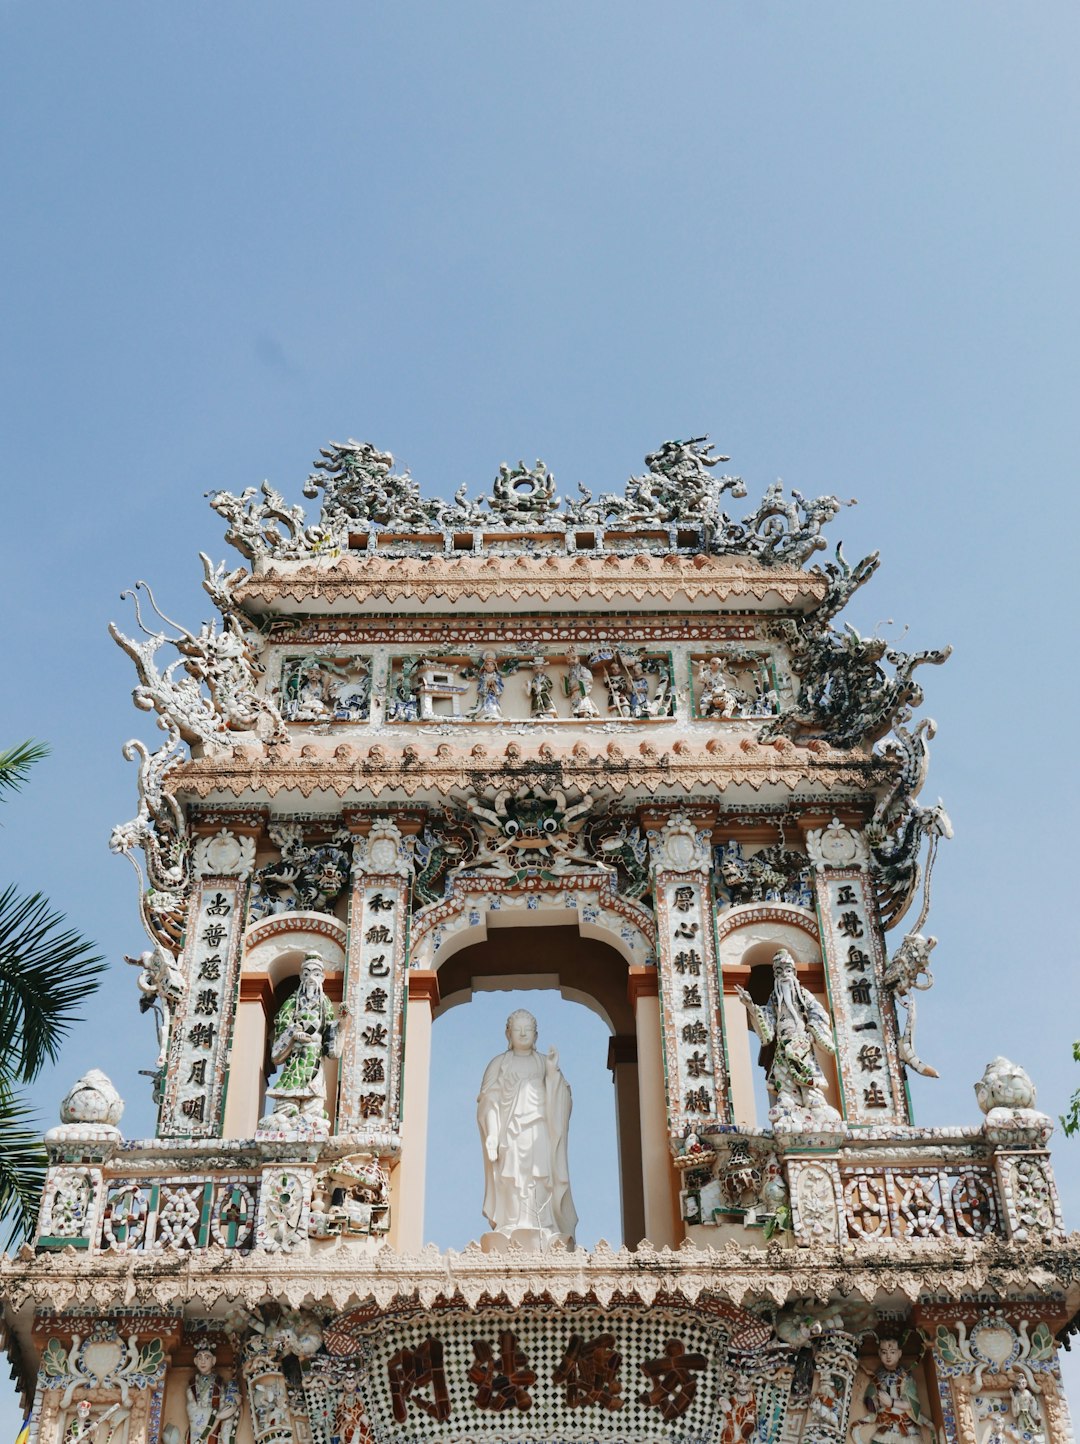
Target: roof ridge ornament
{"points": [[678, 494]]}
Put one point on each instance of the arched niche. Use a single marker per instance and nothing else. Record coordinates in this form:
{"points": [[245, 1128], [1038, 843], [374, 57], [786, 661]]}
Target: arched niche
{"points": [[273, 952], [747, 937], [579, 936]]}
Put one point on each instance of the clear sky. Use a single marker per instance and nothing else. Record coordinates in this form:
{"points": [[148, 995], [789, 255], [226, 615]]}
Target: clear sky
{"points": [[840, 237]]}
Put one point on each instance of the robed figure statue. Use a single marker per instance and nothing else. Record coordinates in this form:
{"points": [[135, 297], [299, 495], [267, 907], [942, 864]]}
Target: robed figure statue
{"points": [[789, 1025], [524, 1116], [307, 1029]]}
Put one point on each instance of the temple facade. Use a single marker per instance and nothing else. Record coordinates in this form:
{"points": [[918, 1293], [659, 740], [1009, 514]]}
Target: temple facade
{"points": [[621, 745]]}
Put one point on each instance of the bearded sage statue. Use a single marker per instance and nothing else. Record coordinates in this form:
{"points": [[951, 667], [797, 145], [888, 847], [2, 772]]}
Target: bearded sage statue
{"points": [[789, 1025], [307, 1029]]}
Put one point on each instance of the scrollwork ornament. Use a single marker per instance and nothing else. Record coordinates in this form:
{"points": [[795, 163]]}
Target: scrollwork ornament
{"points": [[383, 853], [681, 846], [837, 846], [224, 855]]}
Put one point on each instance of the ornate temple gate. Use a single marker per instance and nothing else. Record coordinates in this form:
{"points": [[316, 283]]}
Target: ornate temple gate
{"points": [[414, 726]]}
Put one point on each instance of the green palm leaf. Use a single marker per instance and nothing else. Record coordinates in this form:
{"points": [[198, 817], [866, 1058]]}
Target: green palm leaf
{"points": [[22, 1166], [15, 764], [45, 973]]}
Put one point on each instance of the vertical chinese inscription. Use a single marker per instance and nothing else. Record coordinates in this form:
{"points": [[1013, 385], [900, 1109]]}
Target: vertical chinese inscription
{"points": [[854, 958], [371, 1066], [694, 1053], [199, 1045]]}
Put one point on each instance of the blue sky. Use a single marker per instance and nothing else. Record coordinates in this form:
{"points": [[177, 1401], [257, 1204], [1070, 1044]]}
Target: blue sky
{"points": [[839, 237]]}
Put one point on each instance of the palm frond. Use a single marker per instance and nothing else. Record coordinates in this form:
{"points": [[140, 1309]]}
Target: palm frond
{"points": [[16, 762], [22, 1167], [45, 973]]}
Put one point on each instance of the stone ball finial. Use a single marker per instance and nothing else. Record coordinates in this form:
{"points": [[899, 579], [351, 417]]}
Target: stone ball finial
{"points": [[1007, 1096], [93, 1100], [1004, 1085]]}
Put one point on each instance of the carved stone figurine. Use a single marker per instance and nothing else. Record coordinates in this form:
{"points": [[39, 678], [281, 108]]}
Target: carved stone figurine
{"points": [[213, 1406], [1025, 1426], [789, 1025], [306, 1030], [539, 688], [892, 1400], [718, 695], [524, 1115], [79, 1429], [489, 688]]}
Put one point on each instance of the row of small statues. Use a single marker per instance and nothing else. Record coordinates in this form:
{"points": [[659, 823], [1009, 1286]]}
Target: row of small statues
{"points": [[325, 689], [894, 1412]]}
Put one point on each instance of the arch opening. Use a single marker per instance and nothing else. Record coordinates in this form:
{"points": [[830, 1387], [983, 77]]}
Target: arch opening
{"points": [[576, 987]]}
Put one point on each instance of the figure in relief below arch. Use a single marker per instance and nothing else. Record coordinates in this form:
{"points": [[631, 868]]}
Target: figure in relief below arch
{"points": [[524, 1117]]}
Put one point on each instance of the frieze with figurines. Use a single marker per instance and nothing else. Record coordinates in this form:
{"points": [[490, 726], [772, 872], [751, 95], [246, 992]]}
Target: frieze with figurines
{"points": [[597, 683]]}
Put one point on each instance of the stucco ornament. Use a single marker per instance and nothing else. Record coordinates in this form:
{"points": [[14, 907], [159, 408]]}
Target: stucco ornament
{"points": [[224, 855], [524, 1116], [836, 846], [224, 662], [1006, 1094], [681, 845], [383, 853], [93, 1101], [846, 696], [522, 494], [308, 877], [360, 492], [907, 973], [791, 1023], [899, 825], [529, 829], [359, 489], [307, 1029], [162, 985]]}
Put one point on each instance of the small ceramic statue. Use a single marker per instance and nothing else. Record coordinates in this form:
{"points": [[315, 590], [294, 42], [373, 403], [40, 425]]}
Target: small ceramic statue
{"points": [[791, 1023], [1025, 1426], [718, 696], [213, 1406], [894, 1414], [578, 684], [524, 1115], [539, 688], [79, 1429], [489, 688], [307, 1029]]}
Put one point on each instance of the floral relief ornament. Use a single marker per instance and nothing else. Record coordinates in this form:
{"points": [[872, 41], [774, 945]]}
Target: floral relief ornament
{"points": [[681, 846], [383, 853], [836, 846], [224, 855]]}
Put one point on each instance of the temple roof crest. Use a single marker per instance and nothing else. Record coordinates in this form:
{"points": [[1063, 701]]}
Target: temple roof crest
{"points": [[367, 506]]}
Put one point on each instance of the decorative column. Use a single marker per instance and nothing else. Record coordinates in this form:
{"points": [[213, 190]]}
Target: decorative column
{"points": [[656, 1170], [836, 1358], [853, 950], [622, 1060], [695, 1056], [370, 1087], [193, 1100], [423, 999]]}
